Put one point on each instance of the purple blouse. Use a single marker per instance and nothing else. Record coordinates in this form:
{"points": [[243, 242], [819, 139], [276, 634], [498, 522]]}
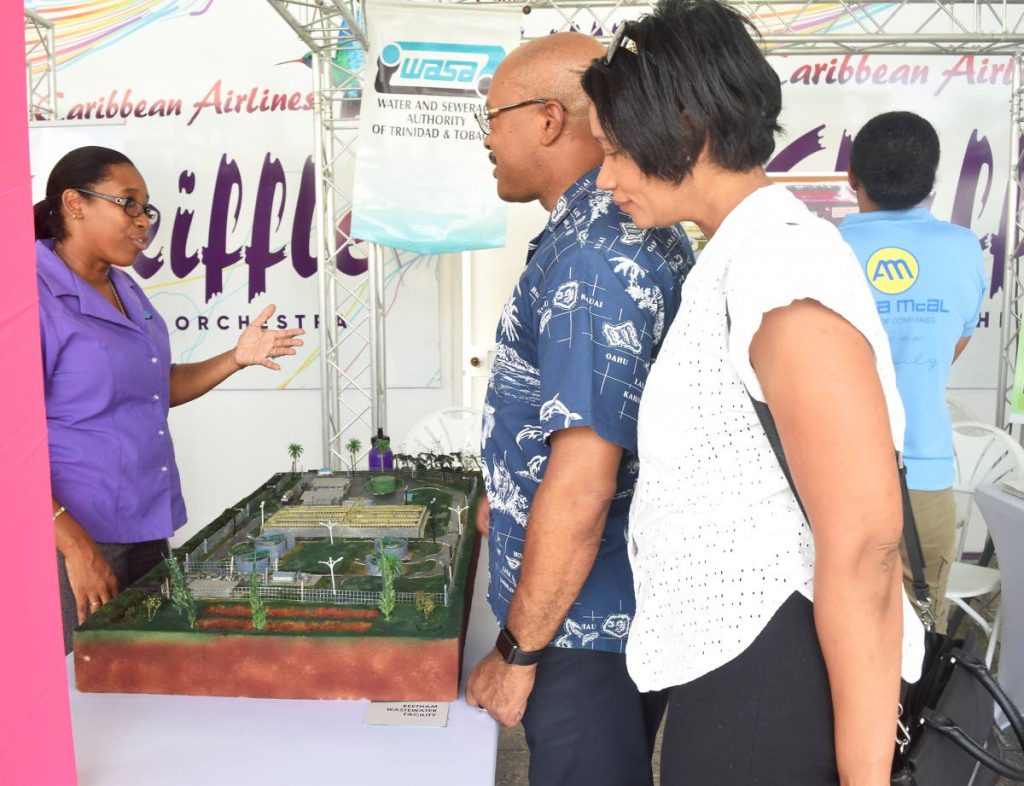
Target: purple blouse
{"points": [[107, 381]]}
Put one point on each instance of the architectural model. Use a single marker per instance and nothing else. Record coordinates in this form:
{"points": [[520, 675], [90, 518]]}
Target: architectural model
{"points": [[351, 585]]}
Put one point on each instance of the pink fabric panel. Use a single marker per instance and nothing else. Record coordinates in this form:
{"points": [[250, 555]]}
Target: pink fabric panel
{"points": [[35, 724]]}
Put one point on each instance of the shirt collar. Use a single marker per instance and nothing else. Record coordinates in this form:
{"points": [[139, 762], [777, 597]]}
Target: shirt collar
{"points": [[766, 205], [63, 281], [914, 214], [581, 189]]}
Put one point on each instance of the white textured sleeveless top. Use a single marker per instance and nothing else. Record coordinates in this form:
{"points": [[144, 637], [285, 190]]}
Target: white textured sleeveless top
{"points": [[717, 541]]}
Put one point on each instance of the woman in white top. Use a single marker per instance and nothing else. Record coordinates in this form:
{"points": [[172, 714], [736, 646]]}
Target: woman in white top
{"points": [[779, 641]]}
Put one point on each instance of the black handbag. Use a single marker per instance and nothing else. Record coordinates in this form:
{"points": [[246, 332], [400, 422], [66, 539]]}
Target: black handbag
{"points": [[946, 712]]}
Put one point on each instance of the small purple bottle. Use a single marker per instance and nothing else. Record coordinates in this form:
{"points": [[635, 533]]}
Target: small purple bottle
{"points": [[380, 457]]}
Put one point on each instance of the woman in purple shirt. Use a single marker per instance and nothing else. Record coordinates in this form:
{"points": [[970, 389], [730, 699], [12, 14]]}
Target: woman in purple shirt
{"points": [[109, 380]]}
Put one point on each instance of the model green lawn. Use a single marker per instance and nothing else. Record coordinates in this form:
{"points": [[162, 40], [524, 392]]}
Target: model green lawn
{"points": [[350, 574]]}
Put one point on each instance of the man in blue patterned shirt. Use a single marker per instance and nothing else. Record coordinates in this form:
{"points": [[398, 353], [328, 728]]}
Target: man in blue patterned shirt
{"points": [[574, 346]]}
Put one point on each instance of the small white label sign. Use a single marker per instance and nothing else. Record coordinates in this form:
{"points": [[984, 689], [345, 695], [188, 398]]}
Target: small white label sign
{"points": [[407, 713]]}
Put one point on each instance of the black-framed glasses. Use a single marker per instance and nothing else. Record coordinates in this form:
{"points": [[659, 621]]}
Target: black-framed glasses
{"points": [[132, 207], [620, 40], [484, 115]]}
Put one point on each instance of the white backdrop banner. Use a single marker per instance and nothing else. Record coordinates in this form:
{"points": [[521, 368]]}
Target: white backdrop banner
{"points": [[215, 109], [422, 179]]}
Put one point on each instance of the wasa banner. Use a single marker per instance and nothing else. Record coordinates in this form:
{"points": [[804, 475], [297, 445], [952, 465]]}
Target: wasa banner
{"points": [[422, 180]]}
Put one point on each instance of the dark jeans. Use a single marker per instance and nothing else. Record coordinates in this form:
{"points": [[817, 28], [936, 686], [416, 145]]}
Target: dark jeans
{"points": [[586, 723], [762, 719], [129, 561]]}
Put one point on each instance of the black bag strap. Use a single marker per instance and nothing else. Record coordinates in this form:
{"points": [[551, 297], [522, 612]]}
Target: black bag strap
{"points": [[911, 539]]}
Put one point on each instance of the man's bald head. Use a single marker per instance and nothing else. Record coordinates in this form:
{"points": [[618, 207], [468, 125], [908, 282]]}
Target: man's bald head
{"points": [[541, 147], [551, 67]]}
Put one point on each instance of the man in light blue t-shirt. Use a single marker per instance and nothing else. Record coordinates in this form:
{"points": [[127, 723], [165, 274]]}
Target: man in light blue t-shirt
{"points": [[928, 281]]}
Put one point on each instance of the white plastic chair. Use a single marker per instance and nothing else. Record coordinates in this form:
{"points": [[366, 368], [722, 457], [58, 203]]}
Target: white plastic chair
{"points": [[982, 454], [449, 430]]}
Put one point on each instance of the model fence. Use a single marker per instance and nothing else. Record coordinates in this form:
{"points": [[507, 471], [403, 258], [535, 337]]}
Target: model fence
{"points": [[196, 570]]}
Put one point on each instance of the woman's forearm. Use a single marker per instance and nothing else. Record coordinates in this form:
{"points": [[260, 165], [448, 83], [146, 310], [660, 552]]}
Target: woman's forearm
{"points": [[859, 619], [191, 380]]}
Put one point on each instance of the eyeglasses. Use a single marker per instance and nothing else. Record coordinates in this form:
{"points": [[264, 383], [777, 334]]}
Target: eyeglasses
{"points": [[484, 115], [132, 207], [619, 41]]}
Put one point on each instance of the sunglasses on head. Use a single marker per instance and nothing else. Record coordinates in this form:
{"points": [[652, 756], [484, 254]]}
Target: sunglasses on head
{"points": [[619, 41]]}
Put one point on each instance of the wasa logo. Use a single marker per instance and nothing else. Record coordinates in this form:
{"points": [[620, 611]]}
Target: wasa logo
{"points": [[437, 69], [892, 270]]}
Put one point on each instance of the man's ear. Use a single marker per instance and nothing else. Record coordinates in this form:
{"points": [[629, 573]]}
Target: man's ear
{"points": [[852, 179], [554, 122]]}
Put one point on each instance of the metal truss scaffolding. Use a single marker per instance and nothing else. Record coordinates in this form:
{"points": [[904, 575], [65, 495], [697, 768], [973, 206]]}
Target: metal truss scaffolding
{"points": [[40, 67], [787, 27], [352, 382], [1013, 289]]}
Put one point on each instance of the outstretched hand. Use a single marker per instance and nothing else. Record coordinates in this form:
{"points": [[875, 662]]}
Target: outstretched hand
{"points": [[258, 347]]}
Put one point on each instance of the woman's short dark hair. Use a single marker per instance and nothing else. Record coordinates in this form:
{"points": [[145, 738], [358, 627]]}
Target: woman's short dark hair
{"points": [[696, 76], [83, 167], [894, 158]]}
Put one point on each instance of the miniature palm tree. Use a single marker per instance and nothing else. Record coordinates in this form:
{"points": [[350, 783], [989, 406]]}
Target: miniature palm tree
{"points": [[181, 597], [295, 450], [390, 566], [353, 446], [259, 608]]}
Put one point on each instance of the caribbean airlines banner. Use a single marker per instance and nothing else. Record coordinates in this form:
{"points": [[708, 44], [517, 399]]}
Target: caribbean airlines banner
{"points": [[422, 179], [212, 101], [827, 99]]}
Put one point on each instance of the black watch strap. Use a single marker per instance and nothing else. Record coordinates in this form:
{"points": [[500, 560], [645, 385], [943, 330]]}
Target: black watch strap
{"points": [[508, 648]]}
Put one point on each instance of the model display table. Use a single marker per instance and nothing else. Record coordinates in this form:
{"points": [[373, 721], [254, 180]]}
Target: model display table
{"points": [[151, 740]]}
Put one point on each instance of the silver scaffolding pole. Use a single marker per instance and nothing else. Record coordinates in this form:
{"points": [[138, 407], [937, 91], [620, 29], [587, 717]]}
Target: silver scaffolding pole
{"points": [[40, 67], [352, 349], [787, 27], [1013, 289]]}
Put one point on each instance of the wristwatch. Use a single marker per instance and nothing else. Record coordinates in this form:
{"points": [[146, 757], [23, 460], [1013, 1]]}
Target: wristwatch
{"points": [[508, 648]]}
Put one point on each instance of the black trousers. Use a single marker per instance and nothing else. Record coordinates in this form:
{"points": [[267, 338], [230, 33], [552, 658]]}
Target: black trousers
{"points": [[129, 562], [763, 719], [586, 723]]}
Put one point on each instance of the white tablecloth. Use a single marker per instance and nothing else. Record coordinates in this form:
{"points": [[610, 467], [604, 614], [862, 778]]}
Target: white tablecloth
{"points": [[137, 740]]}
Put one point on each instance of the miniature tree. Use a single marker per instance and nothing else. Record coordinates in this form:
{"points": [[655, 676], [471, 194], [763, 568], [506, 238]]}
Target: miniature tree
{"points": [[152, 604], [259, 608], [425, 605], [443, 461], [181, 597], [295, 450], [390, 566], [353, 446]]}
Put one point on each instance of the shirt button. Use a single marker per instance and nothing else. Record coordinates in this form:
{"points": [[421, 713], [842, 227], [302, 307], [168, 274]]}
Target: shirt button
{"points": [[163, 469], [156, 397], [160, 433], [154, 360]]}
